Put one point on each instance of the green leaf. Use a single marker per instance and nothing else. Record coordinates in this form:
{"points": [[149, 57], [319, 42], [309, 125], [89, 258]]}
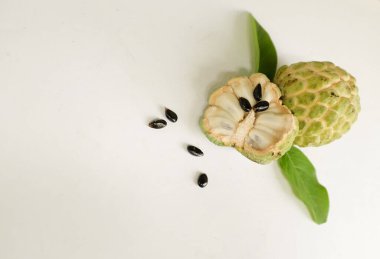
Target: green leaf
{"points": [[264, 56], [295, 166], [300, 173]]}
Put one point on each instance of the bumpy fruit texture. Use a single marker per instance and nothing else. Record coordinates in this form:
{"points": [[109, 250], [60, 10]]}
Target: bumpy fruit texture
{"points": [[322, 96], [263, 135]]}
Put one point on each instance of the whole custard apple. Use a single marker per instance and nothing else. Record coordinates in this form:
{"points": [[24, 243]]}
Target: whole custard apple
{"points": [[322, 96]]}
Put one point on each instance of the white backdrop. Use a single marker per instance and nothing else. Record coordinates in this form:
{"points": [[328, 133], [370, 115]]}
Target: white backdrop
{"points": [[82, 176]]}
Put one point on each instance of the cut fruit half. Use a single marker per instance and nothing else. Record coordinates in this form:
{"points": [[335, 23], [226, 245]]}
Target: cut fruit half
{"points": [[238, 115]]}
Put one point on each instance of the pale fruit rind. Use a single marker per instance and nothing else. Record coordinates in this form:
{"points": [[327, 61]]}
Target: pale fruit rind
{"points": [[323, 97]]}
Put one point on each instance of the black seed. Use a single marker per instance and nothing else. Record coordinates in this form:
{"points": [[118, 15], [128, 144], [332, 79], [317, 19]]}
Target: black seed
{"points": [[157, 124], [257, 93], [172, 116], [202, 180], [244, 104], [261, 106], [194, 150]]}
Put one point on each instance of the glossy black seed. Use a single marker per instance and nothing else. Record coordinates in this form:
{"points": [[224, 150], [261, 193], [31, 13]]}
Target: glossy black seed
{"points": [[244, 104], [202, 180], [157, 124], [261, 106], [172, 116], [194, 150], [257, 93]]}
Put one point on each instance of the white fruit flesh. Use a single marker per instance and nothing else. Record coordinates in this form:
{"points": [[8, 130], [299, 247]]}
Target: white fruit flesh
{"points": [[253, 132], [270, 127]]}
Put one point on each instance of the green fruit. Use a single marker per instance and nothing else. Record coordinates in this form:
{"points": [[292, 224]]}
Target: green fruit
{"points": [[257, 125], [322, 96]]}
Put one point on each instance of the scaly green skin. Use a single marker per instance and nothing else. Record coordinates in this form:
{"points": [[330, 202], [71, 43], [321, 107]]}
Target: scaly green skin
{"points": [[322, 96]]}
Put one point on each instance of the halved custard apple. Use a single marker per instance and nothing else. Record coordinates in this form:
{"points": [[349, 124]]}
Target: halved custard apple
{"points": [[248, 114]]}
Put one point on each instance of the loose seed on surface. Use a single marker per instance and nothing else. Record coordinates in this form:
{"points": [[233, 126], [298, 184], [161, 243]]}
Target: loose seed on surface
{"points": [[157, 124], [261, 106], [194, 150], [257, 93], [244, 104], [202, 180], [172, 116]]}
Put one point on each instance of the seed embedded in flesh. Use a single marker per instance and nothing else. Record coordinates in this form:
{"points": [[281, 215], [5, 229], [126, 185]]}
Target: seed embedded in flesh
{"points": [[261, 106], [202, 180], [157, 124], [194, 150], [172, 116], [244, 104], [257, 93]]}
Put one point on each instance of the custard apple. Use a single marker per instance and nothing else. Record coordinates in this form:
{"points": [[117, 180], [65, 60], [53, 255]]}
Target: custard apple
{"points": [[322, 96], [247, 114]]}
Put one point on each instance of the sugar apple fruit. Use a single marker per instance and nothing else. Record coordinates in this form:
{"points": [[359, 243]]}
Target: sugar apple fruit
{"points": [[322, 96], [247, 114]]}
